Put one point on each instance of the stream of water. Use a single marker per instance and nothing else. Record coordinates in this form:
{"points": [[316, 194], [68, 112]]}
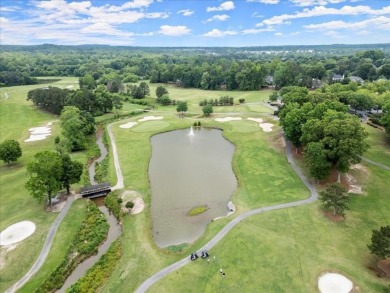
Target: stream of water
{"points": [[114, 231]]}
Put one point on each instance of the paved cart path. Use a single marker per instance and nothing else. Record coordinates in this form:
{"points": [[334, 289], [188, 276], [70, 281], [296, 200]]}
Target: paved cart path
{"points": [[175, 266], [376, 164]]}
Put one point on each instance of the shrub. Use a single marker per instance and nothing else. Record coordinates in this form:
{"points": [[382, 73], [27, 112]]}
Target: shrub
{"points": [[112, 203], [129, 205], [241, 100]]}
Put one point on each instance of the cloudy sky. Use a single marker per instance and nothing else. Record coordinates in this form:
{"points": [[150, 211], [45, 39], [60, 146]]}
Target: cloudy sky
{"points": [[194, 23]]}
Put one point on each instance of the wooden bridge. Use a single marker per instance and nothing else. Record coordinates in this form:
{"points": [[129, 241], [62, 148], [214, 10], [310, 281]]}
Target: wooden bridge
{"points": [[97, 190]]}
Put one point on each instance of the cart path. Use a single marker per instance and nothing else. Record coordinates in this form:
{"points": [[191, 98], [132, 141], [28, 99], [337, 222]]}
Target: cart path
{"points": [[46, 247], [175, 266], [376, 164], [119, 184]]}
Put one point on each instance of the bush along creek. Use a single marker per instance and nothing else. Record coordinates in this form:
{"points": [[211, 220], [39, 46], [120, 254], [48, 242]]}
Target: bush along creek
{"points": [[92, 233]]}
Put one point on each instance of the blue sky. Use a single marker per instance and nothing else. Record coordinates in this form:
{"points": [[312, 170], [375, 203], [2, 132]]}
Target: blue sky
{"points": [[194, 23]]}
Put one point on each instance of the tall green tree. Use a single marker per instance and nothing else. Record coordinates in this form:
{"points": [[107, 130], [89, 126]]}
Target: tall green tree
{"points": [[144, 88], [10, 151], [76, 125], [117, 103], [45, 175], [335, 197], [380, 242], [71, 172], [207, 109], [181, 107], [160, 91]]}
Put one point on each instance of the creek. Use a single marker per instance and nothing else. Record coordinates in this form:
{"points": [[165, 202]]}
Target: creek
{"points": [[114, 231]]}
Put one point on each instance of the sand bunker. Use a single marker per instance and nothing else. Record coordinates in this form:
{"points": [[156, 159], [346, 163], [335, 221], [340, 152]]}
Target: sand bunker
{"points": [[334, 283], [258, 120], [138, 206], [128, 125], [16, 232], [267, 127], [227, 119], [39, 133], [147, 118]]}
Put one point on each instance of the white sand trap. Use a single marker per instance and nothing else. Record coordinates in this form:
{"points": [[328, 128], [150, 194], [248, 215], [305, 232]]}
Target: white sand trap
{"points": [[267, 127], [16, 232], [39, 133], [258, 120], [148, 118], [69, 86], [227, 119], [334, 283], [128, 125], [49, 124]]}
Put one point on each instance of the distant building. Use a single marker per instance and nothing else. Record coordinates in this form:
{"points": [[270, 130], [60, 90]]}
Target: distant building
{"points": [[269, 80], [337, 77], [356, 79]]}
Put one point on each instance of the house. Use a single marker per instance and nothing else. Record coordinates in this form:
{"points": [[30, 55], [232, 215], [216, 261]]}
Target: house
{"points": [[356, 79], [337, 77]]}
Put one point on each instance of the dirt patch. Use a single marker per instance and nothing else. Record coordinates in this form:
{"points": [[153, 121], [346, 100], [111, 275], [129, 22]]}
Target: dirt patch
{"points": [[384, 266], [333, 217], [136, 198]]}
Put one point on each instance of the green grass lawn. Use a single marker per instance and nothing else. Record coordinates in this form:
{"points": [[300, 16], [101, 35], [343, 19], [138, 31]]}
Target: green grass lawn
{"points": [[16, 116], [286, 250], [65, 234], [379, 142], [279, 251]]}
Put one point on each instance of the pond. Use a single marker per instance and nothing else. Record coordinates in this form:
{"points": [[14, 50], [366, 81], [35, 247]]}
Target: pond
{"points": [[189, 168]]}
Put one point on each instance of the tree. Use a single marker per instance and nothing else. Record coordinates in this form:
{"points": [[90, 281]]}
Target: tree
{"points": [[75, 126], [386, 117], [315, 159], [181, 107], [207, 109], [144, 88], [380, 242], [45, 175], [10, 151], [160, 91], [71, 172], [165, 100], [117, 103], [335, 197], [115, 85]]}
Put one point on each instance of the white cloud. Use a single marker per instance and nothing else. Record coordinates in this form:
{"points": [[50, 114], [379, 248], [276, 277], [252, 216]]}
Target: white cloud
{"points": [[278, 34], [315, 2], [186, 12], [130, 5], [333, 34], [179, 30], [381, 22], [322, 10], [221, 17], [257, 15], [265, 1], [3, 20], [215, 33], [229, 5], [257, 31], [9, 8], [105, 28]]}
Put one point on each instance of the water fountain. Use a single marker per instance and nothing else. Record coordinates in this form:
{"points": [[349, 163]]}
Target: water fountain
{"points": [[191, 132]]}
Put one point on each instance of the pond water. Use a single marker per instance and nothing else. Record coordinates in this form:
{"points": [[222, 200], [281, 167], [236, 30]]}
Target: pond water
{"points": [[189, 168]]}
